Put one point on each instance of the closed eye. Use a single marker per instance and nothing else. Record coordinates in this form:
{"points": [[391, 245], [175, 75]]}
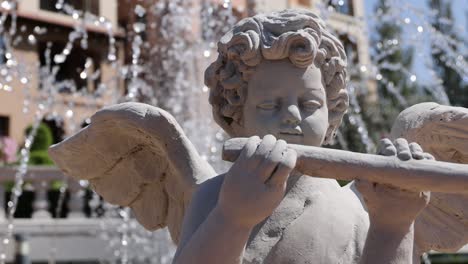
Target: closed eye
{"points": [[311, 104], [268, 106]]}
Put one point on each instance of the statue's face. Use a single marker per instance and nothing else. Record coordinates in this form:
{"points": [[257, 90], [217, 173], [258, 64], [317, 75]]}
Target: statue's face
{"points": [[287, 102]]}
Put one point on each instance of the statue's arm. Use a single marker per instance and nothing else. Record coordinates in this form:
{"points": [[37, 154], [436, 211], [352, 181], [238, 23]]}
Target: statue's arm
{"points": [[216, 229], [388, 243], [208, 236], [392, 212]]}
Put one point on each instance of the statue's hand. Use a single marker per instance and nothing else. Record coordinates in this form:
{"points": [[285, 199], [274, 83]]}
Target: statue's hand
{"points": [[390, 205], [256, 183]]}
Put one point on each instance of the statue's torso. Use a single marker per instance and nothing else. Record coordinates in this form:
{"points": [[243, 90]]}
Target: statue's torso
{"points": [[317, 222]]}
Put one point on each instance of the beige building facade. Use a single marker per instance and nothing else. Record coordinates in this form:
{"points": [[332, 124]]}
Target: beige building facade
{"points": [[40, 27]]}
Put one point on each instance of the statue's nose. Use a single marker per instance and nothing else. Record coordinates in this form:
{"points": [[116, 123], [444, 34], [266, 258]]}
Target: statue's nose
{"points": [[292, 115]]}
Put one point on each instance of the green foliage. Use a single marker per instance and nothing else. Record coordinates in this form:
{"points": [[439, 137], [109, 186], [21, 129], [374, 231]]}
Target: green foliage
{"points": [[449, 258], [456, 89], [43, 138], [42, 141], [389, 105], [40, 157]]}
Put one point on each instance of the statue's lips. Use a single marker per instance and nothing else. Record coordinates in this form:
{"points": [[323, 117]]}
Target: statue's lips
{"points": [[292, 131]]}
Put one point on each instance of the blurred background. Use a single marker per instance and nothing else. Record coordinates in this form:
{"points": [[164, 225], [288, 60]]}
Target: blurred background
{"points": [[61, 61]]}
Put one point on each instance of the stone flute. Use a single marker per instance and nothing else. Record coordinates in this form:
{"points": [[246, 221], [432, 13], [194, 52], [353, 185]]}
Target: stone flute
{"points": [[421, 175]]}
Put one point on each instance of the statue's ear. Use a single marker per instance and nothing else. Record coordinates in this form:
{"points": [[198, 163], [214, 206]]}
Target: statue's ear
{"points": [[337, 107]]}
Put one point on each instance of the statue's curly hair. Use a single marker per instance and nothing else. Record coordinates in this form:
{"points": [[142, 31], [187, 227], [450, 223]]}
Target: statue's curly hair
{"points": [[299, 35]]}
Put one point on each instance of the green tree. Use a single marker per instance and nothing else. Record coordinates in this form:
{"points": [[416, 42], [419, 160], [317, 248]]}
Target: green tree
{"points": [[395, 89], [455, 87], [42, 141]]}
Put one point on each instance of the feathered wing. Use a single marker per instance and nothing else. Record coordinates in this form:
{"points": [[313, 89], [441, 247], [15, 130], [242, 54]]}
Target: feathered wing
{"points": [[136, 155], [443, 132]]}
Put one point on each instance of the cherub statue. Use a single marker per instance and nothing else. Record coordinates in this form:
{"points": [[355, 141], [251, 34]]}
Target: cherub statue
{"points": [[279, 79]]}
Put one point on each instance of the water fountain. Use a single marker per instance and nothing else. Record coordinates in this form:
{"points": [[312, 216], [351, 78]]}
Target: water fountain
{"points": [[185, 87]]}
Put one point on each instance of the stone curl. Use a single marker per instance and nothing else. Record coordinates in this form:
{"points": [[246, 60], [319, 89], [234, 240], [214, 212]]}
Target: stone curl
{"points": [[297, 35]]}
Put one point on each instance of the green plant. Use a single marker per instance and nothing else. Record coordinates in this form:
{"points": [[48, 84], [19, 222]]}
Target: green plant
{"points": [[41, 142], [40, 157], [43, 138]]}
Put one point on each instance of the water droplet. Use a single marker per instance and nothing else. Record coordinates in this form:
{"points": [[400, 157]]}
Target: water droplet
{"points": [[69, 113], [139, 27], [59, 58], [111, 57], [84, 183], [6, 5], [7, 88], [140, 11], [32, 39], [123, 214], [83, 75]]}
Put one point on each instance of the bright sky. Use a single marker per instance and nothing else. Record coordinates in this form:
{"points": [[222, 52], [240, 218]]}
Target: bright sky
{"points": [[460, 13]]}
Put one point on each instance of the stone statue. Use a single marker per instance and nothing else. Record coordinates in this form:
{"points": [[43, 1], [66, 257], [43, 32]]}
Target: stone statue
{"points": [[279, 81]]}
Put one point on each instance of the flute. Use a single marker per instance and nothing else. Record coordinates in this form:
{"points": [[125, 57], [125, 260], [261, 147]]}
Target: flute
{"points": [[419, 175]]}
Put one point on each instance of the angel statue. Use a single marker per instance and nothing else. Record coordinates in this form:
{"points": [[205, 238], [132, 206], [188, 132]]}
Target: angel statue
{"points": [[278, 88]]}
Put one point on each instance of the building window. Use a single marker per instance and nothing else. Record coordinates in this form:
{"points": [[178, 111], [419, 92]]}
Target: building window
{"points": [[4, 126], [342, 6], [91, 6], [71, 69]]}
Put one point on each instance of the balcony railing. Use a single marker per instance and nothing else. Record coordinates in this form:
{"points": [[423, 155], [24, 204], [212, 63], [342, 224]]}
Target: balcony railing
{"points": [[75, 238]]}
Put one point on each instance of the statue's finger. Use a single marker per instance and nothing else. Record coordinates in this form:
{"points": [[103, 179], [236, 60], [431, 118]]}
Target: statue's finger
{"points": [[403, 150], [416, 151], [428, 156], [249, 149], [263, 150], [386, 148], [268, 165], [284, 168]]}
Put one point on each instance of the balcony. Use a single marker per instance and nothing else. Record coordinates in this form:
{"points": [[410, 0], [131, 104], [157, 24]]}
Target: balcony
{"points": [[75, 238]]}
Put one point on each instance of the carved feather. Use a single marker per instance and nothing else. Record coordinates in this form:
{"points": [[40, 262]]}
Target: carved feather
{"points": [[136, 155]]}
